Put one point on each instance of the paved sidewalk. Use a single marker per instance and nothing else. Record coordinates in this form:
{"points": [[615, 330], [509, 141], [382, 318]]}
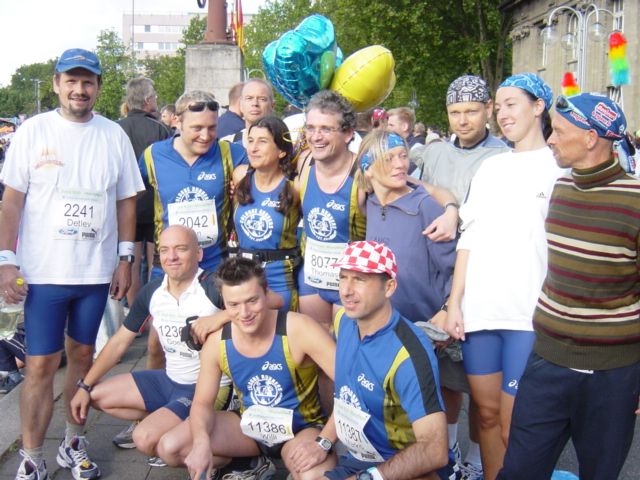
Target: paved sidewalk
{"points": [[130, 464]]}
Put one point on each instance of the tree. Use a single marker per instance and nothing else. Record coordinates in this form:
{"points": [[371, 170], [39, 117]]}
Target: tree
{"points": [[117, 69], [20, 95], [432, 41]]}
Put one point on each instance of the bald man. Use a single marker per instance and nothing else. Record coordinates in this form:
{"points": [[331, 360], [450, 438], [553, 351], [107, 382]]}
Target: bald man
{"points": [[161, 399]]}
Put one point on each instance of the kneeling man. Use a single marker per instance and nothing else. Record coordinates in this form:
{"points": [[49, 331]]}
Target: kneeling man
{"points": [[272, 359], [161, 397], [387, 408]]}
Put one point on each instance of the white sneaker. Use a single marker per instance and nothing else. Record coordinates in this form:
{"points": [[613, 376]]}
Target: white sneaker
{"points": [[28, 470], [471, 471], [74, 456]]}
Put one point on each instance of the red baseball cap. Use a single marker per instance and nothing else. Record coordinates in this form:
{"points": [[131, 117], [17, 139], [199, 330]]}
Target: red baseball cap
{"points": [[368, 257]]}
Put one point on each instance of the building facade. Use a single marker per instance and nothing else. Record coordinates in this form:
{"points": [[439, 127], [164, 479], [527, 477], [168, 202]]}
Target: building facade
{"points": [[551, 56]]}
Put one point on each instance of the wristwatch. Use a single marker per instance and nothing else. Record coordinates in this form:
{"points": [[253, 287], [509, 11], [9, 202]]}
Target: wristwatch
{"points": [[80, 384], [126, 258], [324, 443], [372, 473]]}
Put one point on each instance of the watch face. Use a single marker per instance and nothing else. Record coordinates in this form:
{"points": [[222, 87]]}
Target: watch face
{"points": [[324, 443], [364, 475]]}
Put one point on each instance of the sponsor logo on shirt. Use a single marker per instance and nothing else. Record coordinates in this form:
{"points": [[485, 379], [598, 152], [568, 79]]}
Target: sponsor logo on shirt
{"points": [[48, 158], [257, 224], [189, 194], [271, 366], [347, 396], [206, 176], [368, 384], [264, 390], [267, 202], [333, 205], [322, 224]]}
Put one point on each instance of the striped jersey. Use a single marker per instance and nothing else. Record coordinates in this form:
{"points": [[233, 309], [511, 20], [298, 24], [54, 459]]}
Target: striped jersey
{"points": [[588, 313]]}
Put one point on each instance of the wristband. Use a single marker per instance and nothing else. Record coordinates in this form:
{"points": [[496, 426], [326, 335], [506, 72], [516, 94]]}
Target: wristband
{"points": [[127, 248], [375, 473], [80, 384], [7, 257], [452, 204]]}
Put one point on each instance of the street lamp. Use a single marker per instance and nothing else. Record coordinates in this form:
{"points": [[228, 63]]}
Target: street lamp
{"points": [[37, 83], [596, 31]]}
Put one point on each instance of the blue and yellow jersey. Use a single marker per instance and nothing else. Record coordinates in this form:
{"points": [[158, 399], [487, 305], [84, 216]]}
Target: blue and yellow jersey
{"points": [[175, 181], [391, 375], [273, 379], [331, 217], [260, 226]]}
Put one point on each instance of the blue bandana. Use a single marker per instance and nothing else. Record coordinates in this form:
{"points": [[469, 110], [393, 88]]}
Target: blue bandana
{"points": [[532, 83], [393, 140], [593, 111]]}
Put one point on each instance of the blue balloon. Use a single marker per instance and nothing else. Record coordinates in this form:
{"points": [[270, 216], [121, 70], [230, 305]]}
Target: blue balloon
{"points": [[302, 61]]}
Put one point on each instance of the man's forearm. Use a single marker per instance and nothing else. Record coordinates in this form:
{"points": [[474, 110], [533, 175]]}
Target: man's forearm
{"points": [[126, 211], [415, 461], [12, 205]]}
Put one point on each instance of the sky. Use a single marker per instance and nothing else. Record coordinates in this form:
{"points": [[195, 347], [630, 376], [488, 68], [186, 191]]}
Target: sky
{"points": [[35, 31]]}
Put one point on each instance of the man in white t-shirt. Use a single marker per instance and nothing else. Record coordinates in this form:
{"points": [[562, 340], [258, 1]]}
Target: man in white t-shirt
{"points": [[71, 182], [161, 397]]}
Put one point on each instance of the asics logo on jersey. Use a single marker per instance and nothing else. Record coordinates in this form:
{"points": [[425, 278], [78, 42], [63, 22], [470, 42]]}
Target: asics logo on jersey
{"points": [[368, 384], [271, 366], [513, 384], [267, 202], [335, 206], [206, 176]]}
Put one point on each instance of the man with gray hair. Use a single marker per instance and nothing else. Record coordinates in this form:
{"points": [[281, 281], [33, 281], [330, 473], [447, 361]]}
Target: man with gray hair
{"points": [[142, 128]]}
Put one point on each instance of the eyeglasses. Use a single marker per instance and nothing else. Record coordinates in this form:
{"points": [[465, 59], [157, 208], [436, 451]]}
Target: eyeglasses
{"points": [[310, 130], [200, 106], [564, 105]]}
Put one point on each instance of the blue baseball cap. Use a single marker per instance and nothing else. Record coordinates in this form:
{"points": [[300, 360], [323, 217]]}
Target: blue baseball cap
{"points": [[592, 111], [78, 58]]}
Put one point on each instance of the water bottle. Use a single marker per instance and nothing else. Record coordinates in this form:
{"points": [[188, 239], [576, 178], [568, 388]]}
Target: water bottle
{"points": [[11, 315]]}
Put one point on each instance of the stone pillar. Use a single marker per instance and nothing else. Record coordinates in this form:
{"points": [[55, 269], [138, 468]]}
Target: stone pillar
{"points": [[214, 68]]}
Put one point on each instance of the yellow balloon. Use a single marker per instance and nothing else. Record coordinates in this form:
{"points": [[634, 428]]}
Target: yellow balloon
{"points": [[366, 77]]}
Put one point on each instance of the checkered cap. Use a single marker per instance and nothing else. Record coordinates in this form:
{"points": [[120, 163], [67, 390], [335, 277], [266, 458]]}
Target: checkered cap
{"points": [[368, 257]]}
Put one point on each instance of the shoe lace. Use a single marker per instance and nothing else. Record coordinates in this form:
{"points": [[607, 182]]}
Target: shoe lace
{"points": [[79, 453], [256, 472], [470, 471], [24, 475]]}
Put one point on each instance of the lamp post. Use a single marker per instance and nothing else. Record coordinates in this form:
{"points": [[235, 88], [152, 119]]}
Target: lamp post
{"points": [[583, 14], [37, 83]]}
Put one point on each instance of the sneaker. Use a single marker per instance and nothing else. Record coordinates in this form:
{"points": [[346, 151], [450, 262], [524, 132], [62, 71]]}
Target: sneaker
{"points": [[471, 471], [457, 455], [75, 457], [264, 469], [124, 439], [10, 382], [215, 475], [30, 471], [156, 462]]}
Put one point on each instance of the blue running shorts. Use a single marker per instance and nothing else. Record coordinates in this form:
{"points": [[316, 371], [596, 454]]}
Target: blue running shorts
{"points": [[491, 351], [49, 308], [159, 391]]}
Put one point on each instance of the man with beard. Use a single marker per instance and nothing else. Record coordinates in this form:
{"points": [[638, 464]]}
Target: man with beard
{"points": [[71, 184]]}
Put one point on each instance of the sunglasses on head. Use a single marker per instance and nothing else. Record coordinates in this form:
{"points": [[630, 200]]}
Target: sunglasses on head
{"points": [[200, 106], [563, 104]]}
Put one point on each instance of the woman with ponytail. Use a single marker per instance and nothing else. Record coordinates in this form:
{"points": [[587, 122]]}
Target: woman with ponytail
{"points": [[267, 207]]}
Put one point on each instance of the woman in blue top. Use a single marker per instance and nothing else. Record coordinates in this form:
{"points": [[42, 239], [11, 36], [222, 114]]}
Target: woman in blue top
{"points": [[267, 206]]}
